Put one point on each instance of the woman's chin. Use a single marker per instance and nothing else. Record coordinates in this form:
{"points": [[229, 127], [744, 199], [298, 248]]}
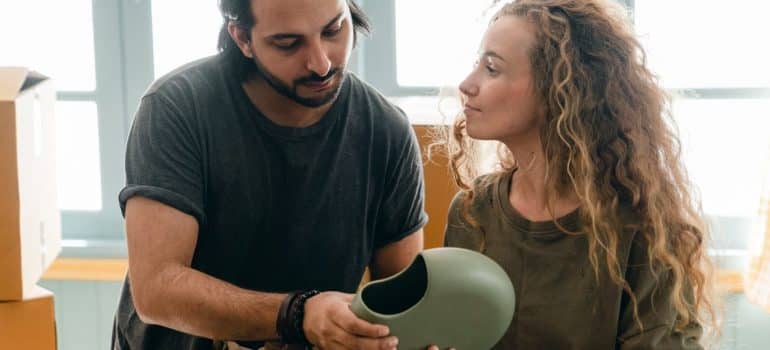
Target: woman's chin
{"points": [[480, 133]]}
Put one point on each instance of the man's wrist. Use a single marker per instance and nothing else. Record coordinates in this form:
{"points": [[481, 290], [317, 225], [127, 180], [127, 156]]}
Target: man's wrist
{"points": [[282, 322], [291, 316]]}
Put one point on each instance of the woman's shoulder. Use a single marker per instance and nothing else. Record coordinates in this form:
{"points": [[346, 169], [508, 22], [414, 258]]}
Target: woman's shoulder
{"points": [[469, 209], [482, 194]]}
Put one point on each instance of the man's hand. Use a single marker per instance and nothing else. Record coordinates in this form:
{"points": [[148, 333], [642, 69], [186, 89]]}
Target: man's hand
{"points": [[330, 325]]}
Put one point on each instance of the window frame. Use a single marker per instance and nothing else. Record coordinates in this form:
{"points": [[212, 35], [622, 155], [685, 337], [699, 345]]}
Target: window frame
{"points": [[379, 69], [123, 70], [379, 54], [123, 49]]}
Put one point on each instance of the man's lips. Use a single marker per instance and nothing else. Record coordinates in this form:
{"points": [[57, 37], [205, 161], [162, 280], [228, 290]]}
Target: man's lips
{"points": [[319, 85]]}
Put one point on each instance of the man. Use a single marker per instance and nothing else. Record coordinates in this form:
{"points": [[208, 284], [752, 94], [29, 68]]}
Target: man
{"points": [[266, 170]]}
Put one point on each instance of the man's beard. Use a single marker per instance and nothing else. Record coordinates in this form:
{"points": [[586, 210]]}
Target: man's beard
{"points": [[290, 91]]}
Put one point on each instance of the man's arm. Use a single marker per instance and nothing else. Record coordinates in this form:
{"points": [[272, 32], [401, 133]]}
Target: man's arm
{"points": [[396, 256], [168, 292]]}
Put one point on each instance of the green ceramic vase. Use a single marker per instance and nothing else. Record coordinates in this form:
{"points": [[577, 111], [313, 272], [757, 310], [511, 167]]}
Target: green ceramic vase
{"points": [[450, 297]]}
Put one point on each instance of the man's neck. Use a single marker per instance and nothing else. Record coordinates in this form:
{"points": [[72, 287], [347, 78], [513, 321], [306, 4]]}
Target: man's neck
{"points": [[280, 109]]}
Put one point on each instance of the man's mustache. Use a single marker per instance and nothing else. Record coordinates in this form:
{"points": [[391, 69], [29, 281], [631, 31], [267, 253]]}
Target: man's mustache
{"points": [[315, 78]]}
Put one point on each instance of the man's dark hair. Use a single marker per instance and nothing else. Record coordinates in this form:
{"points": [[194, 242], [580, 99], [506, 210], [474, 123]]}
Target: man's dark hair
{"points": [[239, 12]]}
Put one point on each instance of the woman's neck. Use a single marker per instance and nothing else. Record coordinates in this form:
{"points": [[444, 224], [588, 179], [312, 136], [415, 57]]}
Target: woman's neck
{"points": [[528, 192]]}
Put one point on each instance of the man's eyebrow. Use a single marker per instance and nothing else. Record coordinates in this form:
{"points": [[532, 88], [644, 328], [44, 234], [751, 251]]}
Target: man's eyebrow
{"points": [[280, 36], [334, 20]]}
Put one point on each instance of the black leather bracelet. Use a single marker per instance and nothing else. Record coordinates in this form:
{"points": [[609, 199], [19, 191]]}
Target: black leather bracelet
{"points": [[291, 315], [283, 322]]}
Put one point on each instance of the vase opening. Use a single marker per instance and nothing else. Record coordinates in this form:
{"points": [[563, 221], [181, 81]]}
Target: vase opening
{"points": [[399, 293]]}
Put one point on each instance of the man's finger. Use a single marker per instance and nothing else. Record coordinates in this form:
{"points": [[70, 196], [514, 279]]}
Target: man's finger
{"points": [[388, 343], [341, 345], [356, 326]]}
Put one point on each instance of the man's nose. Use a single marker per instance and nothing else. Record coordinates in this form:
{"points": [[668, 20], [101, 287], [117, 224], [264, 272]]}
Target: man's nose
{"points": [[318, 61]]}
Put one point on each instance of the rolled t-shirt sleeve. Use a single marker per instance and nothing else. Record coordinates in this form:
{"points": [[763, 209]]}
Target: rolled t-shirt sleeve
{"points": [[163, 157], [458, 232], [402, 211]]}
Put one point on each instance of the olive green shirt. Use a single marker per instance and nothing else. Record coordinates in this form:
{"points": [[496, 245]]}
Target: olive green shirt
{"points": [[559, 302]]}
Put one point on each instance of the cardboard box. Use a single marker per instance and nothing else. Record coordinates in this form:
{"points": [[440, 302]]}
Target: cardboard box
{"points": [[29, 324], [30, 223], [440, 188]]}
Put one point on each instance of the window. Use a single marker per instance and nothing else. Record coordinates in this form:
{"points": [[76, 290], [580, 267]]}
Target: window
{"points": [[103, 54], [67, 55], [710, 56], [717, 66], [437, 50], [419, 46], [718, 47], [724, 143], [179, 39], [77, 156], [89, 109], [58, 46], [83, 46]]}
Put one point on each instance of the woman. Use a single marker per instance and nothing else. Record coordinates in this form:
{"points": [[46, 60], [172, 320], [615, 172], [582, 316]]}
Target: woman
{"points": [[590, 215]]}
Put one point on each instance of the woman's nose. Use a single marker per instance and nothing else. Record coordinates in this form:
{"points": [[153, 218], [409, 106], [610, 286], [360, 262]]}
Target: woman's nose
{"points": [[468, 88]]}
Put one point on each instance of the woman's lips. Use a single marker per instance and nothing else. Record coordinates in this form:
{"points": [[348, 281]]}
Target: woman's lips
{"points": [[470, 109]]}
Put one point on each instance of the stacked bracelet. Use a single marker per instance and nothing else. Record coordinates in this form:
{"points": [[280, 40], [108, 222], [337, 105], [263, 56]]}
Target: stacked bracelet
{"points": [[291, 316], [282, 323]]}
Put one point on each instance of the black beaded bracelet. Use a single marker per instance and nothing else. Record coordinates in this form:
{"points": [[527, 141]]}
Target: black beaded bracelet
{"points": [[298, 316], [291, 316]]}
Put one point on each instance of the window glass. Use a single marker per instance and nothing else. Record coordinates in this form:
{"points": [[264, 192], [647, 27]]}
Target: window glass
{"points": [[724, 145], [77, 156], [53, 37], [437, 41], [183, 31], [706, 43]]}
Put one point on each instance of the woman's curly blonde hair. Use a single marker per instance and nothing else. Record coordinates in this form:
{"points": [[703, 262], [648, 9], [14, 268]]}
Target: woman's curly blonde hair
{"points": [[608, 139]]}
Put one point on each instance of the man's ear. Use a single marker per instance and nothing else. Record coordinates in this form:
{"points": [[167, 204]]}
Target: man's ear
{"points": [[241, 38]]}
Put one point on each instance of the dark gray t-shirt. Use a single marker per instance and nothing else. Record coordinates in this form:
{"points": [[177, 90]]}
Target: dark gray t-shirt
{"points": [[279, 208]]}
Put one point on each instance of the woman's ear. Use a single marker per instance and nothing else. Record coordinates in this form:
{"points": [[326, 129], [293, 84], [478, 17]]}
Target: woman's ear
{"points": [[241, 38]]}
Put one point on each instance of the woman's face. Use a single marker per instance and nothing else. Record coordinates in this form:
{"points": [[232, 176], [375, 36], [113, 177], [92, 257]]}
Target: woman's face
{"points": [[500, 103]]}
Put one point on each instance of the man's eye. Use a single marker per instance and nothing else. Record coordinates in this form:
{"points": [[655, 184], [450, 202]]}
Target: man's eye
{"points": [[332, 31], [285, 45]]}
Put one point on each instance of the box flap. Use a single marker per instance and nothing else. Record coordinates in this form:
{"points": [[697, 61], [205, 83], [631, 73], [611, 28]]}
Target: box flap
{"points": [[33, 78], [13, 80], [39, 292]]}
